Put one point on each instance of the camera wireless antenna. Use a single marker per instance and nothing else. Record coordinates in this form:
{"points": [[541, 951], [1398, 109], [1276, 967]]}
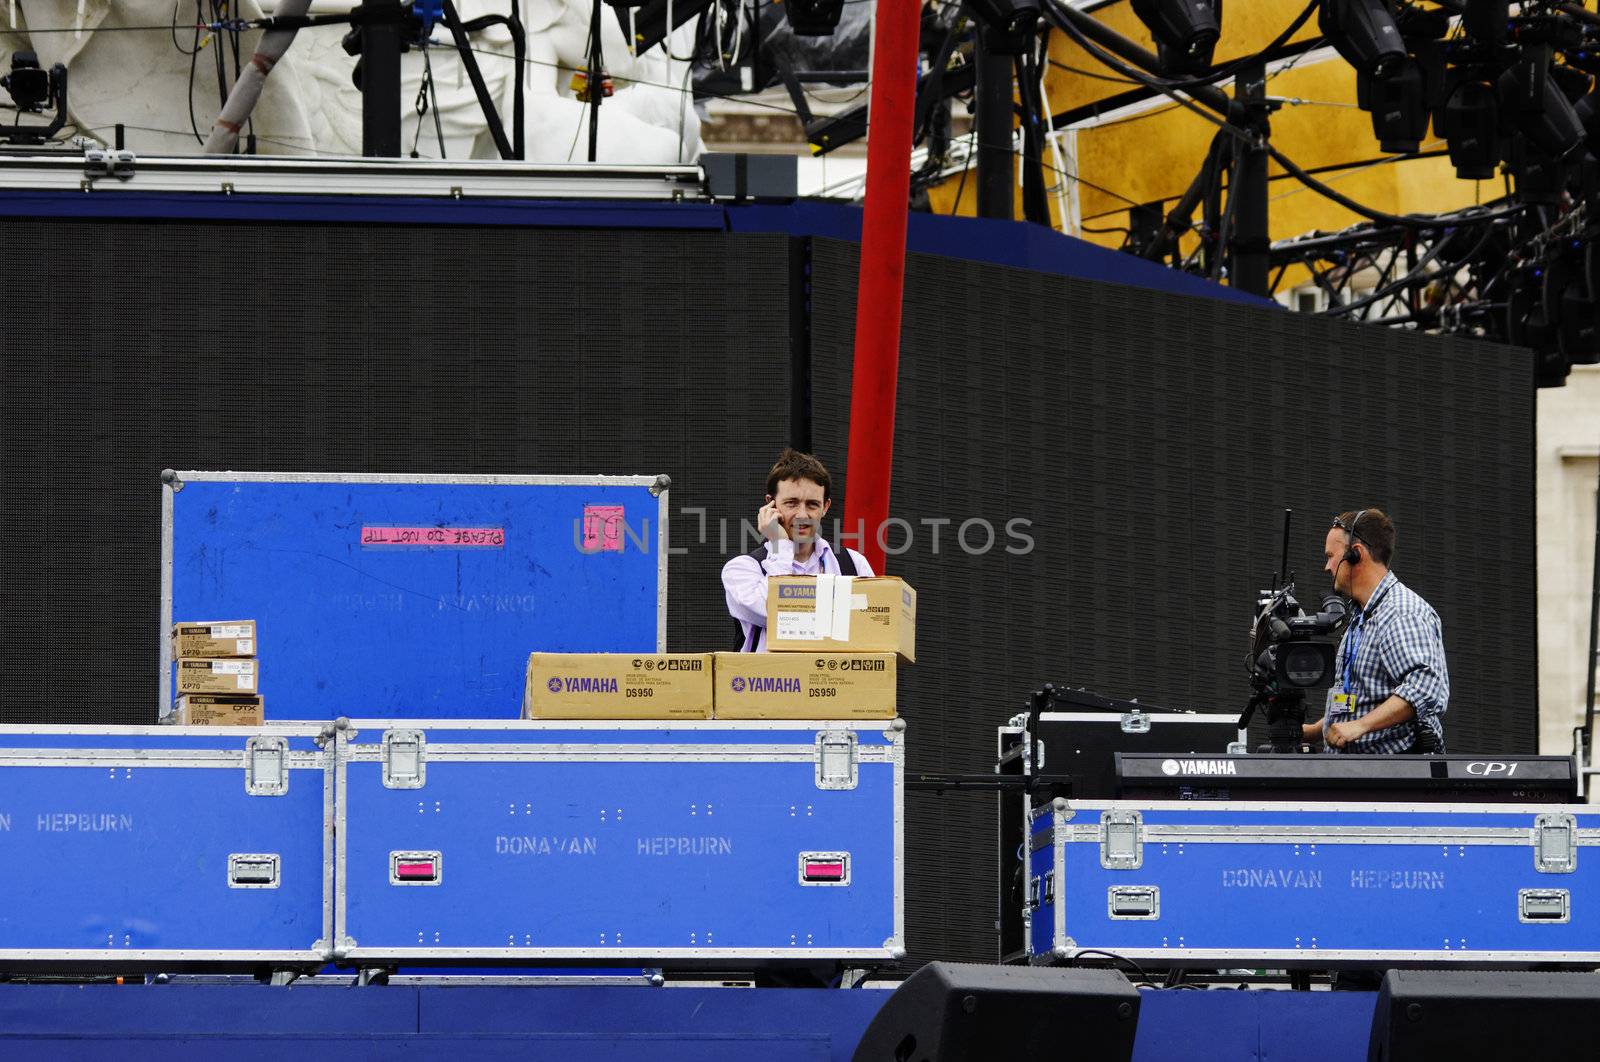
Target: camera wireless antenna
{"points": [[1283, 563]]}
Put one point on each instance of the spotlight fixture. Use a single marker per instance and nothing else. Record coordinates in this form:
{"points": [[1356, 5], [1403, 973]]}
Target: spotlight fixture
{"points": [[1540, 177], [28, 85], [1399, 107], [1010, 18], [1569, 304], [1364, 33], [1533, 102], [1470, 125], [1185, 31], [813, 18], [1529, 325]]}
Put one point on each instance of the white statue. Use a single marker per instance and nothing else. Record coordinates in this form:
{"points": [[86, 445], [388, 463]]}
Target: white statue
{"points": [[128, 63]]}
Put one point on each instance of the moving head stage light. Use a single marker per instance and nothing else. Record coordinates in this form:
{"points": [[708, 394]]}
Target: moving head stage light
{"points": [[1185, 31], [1364, 33]]}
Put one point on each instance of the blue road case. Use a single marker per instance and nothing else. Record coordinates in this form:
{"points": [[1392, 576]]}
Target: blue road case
{"points": [[1219, 884], [123, 846], [413, 595], [667, 843]]}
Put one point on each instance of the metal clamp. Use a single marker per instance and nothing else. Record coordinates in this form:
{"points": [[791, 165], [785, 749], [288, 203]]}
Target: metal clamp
{"points": [[1135, 722], [266, 766], [1134, 902], [838, 760], [1543, 905], [1555, 844], [1121, 840], [253, 870], [109, 162], [404, 759]]}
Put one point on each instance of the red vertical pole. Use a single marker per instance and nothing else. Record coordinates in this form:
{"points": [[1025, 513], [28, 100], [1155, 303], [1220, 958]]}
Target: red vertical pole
{"points": [[882, 274]]}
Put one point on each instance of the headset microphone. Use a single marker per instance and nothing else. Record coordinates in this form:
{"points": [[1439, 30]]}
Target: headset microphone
{"points": [[1352, 556]]}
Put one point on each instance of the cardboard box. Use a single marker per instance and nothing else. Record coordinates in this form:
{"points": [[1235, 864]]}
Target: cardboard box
{"points": [[840, 614], [217, 639], [218, 676], [219, 709], [618, 686], [805, 686]]}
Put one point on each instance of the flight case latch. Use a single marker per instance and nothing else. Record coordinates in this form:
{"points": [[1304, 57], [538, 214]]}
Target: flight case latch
{"points": [[266, 766], [1121, 840], [837, 760], [404, 759], [1555, 844]]}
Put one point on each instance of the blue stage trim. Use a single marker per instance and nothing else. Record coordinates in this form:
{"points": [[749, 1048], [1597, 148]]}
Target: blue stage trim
{"points": [[590, 1024], [1005, 243]]}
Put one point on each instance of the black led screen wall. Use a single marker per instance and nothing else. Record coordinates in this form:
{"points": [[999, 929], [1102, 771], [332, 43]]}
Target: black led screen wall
{"points": [[1151, 441], [355, 349]]}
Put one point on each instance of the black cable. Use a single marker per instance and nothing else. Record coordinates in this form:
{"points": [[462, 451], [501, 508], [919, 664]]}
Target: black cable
{"points": [[194, 60], [1225, 229], [433, 92], [175, 42], [1059, 65], [220, 61], [1114, 957], [972, 153]]}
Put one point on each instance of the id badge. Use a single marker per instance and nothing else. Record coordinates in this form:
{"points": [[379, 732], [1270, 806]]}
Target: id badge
{"points": [[1340, 703]]}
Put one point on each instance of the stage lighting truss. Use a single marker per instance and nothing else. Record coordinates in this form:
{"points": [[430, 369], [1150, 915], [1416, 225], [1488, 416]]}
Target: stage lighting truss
{"points": [[1511, 272]]}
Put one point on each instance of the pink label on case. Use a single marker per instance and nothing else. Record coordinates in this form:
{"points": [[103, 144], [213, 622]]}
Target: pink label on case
{"points": [[602, 529], [435, 537]]}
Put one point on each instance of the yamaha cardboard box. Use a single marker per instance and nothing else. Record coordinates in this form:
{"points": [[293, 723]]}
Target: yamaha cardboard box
{"points": [[218, 709], [842, 614], [618, 686], [805, 686], [218, 676], [207, 640]]}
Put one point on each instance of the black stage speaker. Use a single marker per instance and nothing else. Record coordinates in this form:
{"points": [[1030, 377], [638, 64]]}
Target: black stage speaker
{"points": [[949, 1011], [1466, 1015]]}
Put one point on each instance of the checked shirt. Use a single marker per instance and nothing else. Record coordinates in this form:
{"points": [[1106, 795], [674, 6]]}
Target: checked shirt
{"points": [[1400, 651]]}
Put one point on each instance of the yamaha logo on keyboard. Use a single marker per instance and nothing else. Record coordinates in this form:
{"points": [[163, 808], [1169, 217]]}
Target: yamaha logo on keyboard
{"points": [[1209, 767]]}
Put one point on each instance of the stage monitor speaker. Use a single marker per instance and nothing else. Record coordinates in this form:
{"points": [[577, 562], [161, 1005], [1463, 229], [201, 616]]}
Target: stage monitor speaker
{"points": [[1462, 1015], [950, 1011]]}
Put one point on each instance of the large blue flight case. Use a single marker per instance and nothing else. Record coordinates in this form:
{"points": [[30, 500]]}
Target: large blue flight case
{"points": [[124, 846], [1222, 884], [682, 843]]}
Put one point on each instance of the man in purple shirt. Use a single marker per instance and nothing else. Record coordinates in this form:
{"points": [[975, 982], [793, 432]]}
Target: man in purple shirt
{"points": [[798, 497]]}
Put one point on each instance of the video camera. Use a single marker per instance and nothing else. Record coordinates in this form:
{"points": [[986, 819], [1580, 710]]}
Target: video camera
{"points": [[1291, 651]]}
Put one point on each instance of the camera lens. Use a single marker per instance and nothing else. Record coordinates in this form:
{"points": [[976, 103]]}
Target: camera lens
{"points": [[1304, 665]]}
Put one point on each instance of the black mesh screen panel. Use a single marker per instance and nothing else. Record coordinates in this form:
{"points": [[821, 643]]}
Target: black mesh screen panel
{"points": [[356, 348]]}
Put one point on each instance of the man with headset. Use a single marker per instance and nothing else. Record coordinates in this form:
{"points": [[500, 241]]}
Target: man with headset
{"points": [[1390, 682]]}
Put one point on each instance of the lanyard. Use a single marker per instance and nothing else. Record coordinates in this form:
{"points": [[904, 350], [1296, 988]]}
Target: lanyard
{"points": [[1354, 643]]}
